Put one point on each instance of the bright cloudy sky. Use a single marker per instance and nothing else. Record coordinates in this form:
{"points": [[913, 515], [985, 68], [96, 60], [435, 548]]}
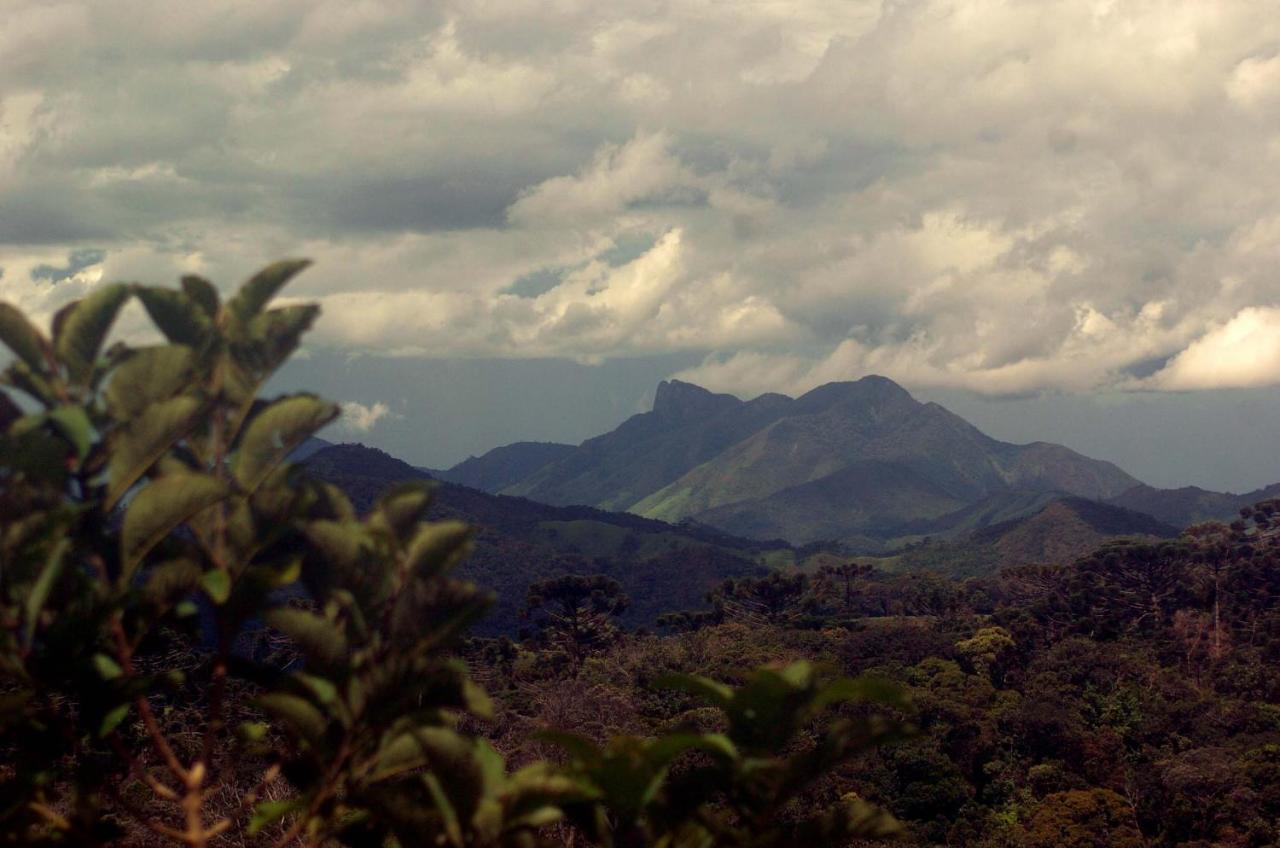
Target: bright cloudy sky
{"points": [[997, 199]]}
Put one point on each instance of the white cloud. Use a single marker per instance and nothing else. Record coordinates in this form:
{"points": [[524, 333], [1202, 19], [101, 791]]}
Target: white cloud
{"points": [[1001, 196], [1254, 84], [641, 169], [1243, 352], [360, 418]]}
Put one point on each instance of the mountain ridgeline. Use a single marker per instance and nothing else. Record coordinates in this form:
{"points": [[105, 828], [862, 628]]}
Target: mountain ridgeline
{"points": [[863, 463], [519, 541]]}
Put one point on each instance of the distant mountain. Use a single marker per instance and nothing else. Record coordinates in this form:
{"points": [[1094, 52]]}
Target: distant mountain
{"points": [[1059, 532], [661, 566], [687, 427], [852, 461], [1191, 504], [1067, 529], [501, 467]]}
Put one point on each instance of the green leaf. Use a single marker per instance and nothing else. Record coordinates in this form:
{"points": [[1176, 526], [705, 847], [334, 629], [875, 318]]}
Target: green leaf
{"points": [[452, 827], [43, 586], [108, 669], [274, 335], [274, 432], [258, 291], [149, 375], [341, 543], [799, 674], [72, 422], [477, 700], [270, 812], [217, 585], [575, 745], [404, 505], [666, 748], [182, 320], [717, 693], [863, 688], [325, 692], [202, 293], [399, 755], [319, 638], [79, 335], [21, 337], [298, 714], [438, 547], [145, 440], [112, 719], [252, 731], [161, 506]]}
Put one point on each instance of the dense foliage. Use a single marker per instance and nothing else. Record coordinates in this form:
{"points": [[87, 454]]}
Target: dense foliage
{"points": [[1128, 699], [199, 645]]}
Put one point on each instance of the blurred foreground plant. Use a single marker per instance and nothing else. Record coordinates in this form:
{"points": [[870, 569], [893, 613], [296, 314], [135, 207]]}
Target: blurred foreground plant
{"points": [[152, 532]]}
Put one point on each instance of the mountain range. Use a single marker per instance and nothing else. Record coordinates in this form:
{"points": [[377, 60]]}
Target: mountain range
{"points": [[862, 463], [665, 567], [706, 487]]}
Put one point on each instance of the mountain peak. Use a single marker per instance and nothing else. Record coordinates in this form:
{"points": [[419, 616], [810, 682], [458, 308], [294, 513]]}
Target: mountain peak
{"points": [[871, 390], [678, 399], [356, 459]]}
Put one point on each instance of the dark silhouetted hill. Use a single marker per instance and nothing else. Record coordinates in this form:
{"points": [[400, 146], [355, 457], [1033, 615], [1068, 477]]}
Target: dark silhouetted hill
{"points": [[519, 541], [1191, 504]]}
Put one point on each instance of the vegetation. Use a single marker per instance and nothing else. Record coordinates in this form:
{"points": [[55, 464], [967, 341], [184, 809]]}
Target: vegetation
{"points": [[200, 645], [1127, 699], [573, 615]]}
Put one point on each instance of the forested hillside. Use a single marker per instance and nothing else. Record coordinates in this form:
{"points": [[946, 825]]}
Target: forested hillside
{"points": [[1126, 699], [519, 541]]}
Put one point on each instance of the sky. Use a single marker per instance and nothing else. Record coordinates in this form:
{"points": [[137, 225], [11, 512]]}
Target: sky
{"points": [[1061, 219]]}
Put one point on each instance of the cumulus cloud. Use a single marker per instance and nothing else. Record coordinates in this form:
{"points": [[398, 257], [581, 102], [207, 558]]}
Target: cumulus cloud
{"points": [[359, 418], [1244, 351], [1000, 196]]}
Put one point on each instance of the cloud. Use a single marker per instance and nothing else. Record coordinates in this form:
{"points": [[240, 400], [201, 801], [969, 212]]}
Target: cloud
{"points": [[1243, 352], [1005, 197], [360, 418]]}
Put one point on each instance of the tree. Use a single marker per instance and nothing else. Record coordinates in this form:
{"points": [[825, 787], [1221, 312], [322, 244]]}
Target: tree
{"points": [[774, 598], [151, 521], [574, 614], [985, 648], [1092, 818], [842, 581], [739, 790]]}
